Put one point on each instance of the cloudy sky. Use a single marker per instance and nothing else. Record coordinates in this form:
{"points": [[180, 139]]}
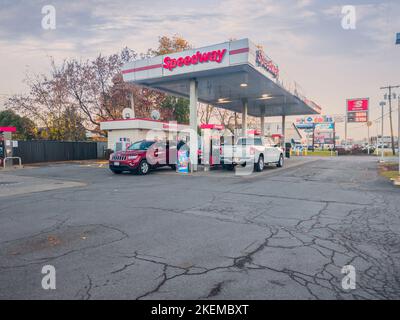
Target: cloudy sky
{"points": [[305, 37]]}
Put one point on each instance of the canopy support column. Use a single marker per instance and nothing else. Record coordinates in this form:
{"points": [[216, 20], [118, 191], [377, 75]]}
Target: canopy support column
{"points": [[244, 118], [283, 122], [193, 123], [262, 121], [283, 130]]}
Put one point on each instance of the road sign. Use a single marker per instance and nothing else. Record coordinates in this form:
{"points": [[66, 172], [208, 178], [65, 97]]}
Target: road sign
{"points": [[339, 119]]}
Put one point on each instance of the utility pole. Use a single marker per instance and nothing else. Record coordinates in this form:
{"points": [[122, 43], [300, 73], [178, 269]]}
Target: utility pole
{"points": [[313, 137], [368, 137], [390, 114], [345, 131], [382, 104], [334, 135], [398, 110]]}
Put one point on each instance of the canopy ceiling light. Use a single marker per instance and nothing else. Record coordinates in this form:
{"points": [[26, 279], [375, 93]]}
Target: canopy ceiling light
{"points": [[265, 97]]}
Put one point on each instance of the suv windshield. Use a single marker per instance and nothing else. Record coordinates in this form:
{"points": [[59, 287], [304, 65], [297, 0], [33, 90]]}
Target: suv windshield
{"points": [[141, 145]]}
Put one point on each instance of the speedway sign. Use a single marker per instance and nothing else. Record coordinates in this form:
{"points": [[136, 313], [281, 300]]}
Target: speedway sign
{"points": [[357, 110], [354, 105], [198, 57], [266, 63]]}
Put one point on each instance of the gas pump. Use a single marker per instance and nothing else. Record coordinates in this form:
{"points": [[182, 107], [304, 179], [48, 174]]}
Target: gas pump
{"points": [[211, 144], [2, 149], [122, 145], [6, 144], [278, 139]]}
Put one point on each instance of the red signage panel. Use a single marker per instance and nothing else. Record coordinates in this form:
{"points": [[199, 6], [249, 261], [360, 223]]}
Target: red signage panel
{"points": [[212, 126], [357, 105], [8, 129]]}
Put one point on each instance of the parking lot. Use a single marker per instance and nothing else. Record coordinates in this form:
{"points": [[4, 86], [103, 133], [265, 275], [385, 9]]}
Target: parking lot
{"points": [[280, 234]]}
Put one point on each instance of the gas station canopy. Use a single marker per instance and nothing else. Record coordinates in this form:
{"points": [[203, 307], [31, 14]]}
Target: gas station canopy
{"points": [[227, 75]]}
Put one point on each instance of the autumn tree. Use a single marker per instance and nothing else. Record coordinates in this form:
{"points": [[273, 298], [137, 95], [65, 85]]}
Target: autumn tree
{"points": [[206, 112], [92, 91], [177, 108], [45, 101], [26, 129], [227, 118], [169, 45]]}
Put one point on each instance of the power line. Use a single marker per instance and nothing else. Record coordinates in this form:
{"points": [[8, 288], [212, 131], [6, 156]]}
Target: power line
{"points": [[377, 119]]}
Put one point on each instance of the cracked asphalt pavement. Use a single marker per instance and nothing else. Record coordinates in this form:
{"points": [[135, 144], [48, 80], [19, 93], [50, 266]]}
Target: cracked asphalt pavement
{"points": [[283, 234]]}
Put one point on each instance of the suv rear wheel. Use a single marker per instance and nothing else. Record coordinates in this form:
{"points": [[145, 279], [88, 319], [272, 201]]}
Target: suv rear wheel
{"points": [[279, 164], [144, 167], [259, 166]]}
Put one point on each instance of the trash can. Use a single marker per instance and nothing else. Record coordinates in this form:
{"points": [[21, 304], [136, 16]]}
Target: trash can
{"points": [[288, 148]]}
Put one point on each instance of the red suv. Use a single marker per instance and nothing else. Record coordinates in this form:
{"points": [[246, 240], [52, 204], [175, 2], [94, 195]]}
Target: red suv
{"points": [[142, 156]]}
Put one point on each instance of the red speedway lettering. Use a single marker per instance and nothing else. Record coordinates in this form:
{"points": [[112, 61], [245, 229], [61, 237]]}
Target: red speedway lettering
{"points": [[213, 56]]}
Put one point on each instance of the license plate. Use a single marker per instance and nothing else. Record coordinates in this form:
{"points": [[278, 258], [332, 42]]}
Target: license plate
{"points": [[116, 163]]}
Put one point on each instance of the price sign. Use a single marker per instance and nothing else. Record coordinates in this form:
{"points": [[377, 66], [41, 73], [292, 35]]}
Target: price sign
{"points": [[357, 110], [361, 116]]}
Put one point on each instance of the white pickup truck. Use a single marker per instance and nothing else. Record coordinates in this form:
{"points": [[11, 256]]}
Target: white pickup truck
{"points": [[257, 150]]}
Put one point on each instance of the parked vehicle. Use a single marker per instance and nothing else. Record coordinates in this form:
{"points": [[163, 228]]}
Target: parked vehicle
{"points": [[368, 148], [143, 156], [258, 151]]}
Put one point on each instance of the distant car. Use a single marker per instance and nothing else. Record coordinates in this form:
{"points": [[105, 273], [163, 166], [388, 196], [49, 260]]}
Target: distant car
{"points": [[143, 156], [370, 147]]}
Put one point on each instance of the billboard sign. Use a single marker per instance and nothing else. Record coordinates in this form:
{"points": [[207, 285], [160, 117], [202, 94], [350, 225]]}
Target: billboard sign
{"points": [[304, 125], [357, 105], [357, 110], [315, 119], [324, 126]]}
